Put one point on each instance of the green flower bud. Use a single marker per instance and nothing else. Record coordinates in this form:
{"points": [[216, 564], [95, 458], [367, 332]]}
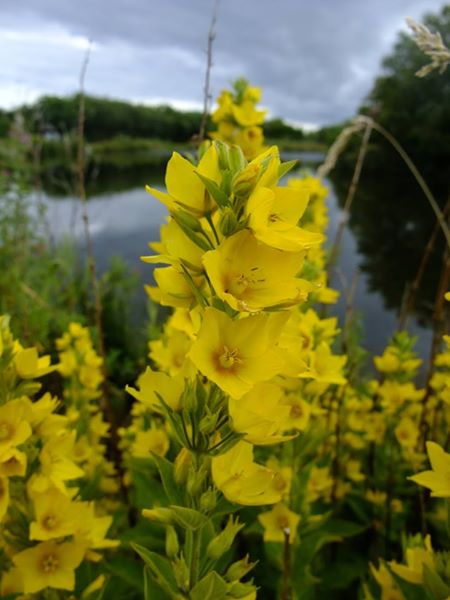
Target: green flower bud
{"points": [[195, 481], [239, 569], [208, 423], [228, 222], [188, 220], [222, 542], [208, 500], [237, 159], [240, 590], [182, 466], [158, 515], [223, 155], [181, 572], [172, 545], [245, 181]]}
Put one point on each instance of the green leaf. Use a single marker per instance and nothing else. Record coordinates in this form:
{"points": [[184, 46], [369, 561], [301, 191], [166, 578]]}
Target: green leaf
{"points": [[160, 569], [126, 569], [152, 590], [284, 168], [211, 587], [194, 237], [433, 583], [342, 528], [219, 196], [188, 517], [165, 468]]}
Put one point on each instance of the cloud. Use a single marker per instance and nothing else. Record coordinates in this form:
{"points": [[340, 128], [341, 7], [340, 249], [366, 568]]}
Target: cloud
{"points": [[315, 62]]}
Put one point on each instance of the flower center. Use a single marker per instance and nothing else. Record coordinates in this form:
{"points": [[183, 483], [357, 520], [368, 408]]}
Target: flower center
{"points": [[49, 563], [283, 522], [5, 431], [296, 411], [229, 358], [49, 522]]}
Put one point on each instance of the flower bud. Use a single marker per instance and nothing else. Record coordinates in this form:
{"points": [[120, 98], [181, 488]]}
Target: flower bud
{"points": [[240, 590], [188, 220], [223, 155], [172, 545], [245, 181], [222, 542], [158, 515], [181, 466], [239, 569], [195, 481], [181, 572], [208, 423], [228, 222], [237, 159], [208, 500]]}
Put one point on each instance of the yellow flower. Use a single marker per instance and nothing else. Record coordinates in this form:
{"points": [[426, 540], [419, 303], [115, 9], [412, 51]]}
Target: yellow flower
{"points": [[282, 480], [55, 514], [4, 496], [184, 187], [173, 288], [29, 365], [91, 530], [241, 480], [49, 565], [260, 414], [319, 483], [251, 276], [169, 352], [279, 523], [389, 589], [152, 440], [438, 479], [407, 433], [14, 429], [13, 462], [57, 465], [353, 469], [149, 382], [376, 497], [237, 354], [324, 367], [246, 114], [299, 412], [176, 247], [416, 558], [273, 217]]}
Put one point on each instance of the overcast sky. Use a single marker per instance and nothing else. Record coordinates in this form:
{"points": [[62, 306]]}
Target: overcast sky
{"points": [[315, 59]]}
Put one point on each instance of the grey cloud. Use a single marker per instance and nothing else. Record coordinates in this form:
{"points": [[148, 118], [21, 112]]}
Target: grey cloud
{"points": [[315, 62]]}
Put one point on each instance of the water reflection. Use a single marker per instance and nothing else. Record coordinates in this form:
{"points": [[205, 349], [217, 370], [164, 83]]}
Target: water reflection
{"points": [[388, 230], [392, 221]]}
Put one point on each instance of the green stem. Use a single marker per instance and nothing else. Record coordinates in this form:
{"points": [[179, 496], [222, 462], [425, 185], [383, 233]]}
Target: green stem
{"points": [[211, 223], [194, 558]]}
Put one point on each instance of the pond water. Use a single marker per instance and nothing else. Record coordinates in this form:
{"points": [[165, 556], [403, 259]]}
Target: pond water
{"points": [[123, 222]]}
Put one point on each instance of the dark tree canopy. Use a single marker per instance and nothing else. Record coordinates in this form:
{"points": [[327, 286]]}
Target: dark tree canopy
{"points": [[417, 110]]}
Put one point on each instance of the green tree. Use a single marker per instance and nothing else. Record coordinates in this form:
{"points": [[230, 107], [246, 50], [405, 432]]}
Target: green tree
{"points": [[416, 110]]}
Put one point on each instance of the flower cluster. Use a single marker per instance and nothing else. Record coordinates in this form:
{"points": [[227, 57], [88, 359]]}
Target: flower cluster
{"points": [[47, 528], [238, 120]]}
